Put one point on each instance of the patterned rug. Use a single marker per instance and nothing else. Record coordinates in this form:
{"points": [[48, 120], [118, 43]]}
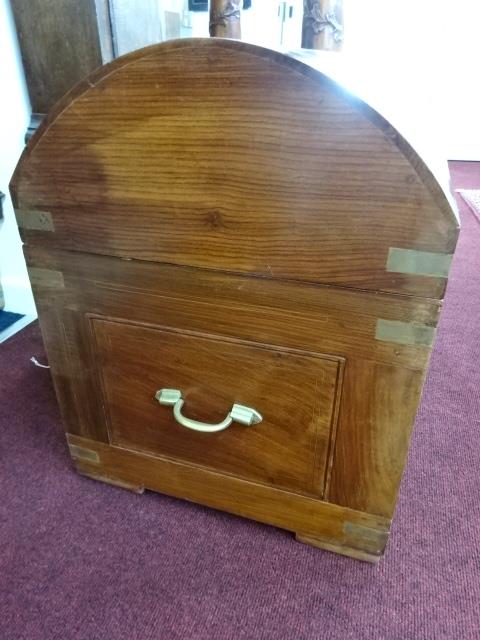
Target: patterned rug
{"points": [[472, 198]]}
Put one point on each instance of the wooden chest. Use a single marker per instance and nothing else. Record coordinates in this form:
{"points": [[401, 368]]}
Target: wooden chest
{"points": [[239, 270]]}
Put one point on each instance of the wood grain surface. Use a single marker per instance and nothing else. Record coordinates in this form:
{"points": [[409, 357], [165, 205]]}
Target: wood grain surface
{"points": [[222, 155]]}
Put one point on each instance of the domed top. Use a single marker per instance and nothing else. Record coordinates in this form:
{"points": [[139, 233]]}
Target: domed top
{"points": [[219, 154]]}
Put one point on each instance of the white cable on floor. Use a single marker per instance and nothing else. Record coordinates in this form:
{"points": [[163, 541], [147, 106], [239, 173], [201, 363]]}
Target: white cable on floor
{"points": [[38, 364]]}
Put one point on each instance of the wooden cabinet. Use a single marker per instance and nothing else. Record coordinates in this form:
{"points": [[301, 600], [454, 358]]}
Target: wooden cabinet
{"points": [[224, 222], [61, 42]]}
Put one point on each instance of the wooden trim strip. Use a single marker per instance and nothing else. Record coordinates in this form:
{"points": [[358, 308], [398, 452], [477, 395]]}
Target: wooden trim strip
{"points": [[295, 512], [109, 480]]}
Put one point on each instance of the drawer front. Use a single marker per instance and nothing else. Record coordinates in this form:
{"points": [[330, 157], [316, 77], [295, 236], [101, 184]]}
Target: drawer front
{"points": [[294, 391]]}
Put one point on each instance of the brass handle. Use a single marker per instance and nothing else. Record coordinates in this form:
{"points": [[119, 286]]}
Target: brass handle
{"points": [[238, 413]]}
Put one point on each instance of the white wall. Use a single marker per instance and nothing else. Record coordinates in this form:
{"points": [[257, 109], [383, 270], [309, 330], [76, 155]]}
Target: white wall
{"points": [[423, 56], [416, 60], [14, 119]]}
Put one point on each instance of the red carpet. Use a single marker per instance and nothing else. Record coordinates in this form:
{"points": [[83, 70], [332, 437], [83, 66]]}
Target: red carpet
{"points": [[82, 560]]}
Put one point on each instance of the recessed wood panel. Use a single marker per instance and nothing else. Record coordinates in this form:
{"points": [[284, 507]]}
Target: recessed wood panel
{"points": [[294, 392]]}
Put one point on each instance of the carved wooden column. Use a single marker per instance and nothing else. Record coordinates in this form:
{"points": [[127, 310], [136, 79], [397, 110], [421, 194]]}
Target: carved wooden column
{"points": [[322, 24], [225, 19]]}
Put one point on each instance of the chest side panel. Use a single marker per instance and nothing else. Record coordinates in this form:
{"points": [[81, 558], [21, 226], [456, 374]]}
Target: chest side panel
{"points": [[117, 331]]}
